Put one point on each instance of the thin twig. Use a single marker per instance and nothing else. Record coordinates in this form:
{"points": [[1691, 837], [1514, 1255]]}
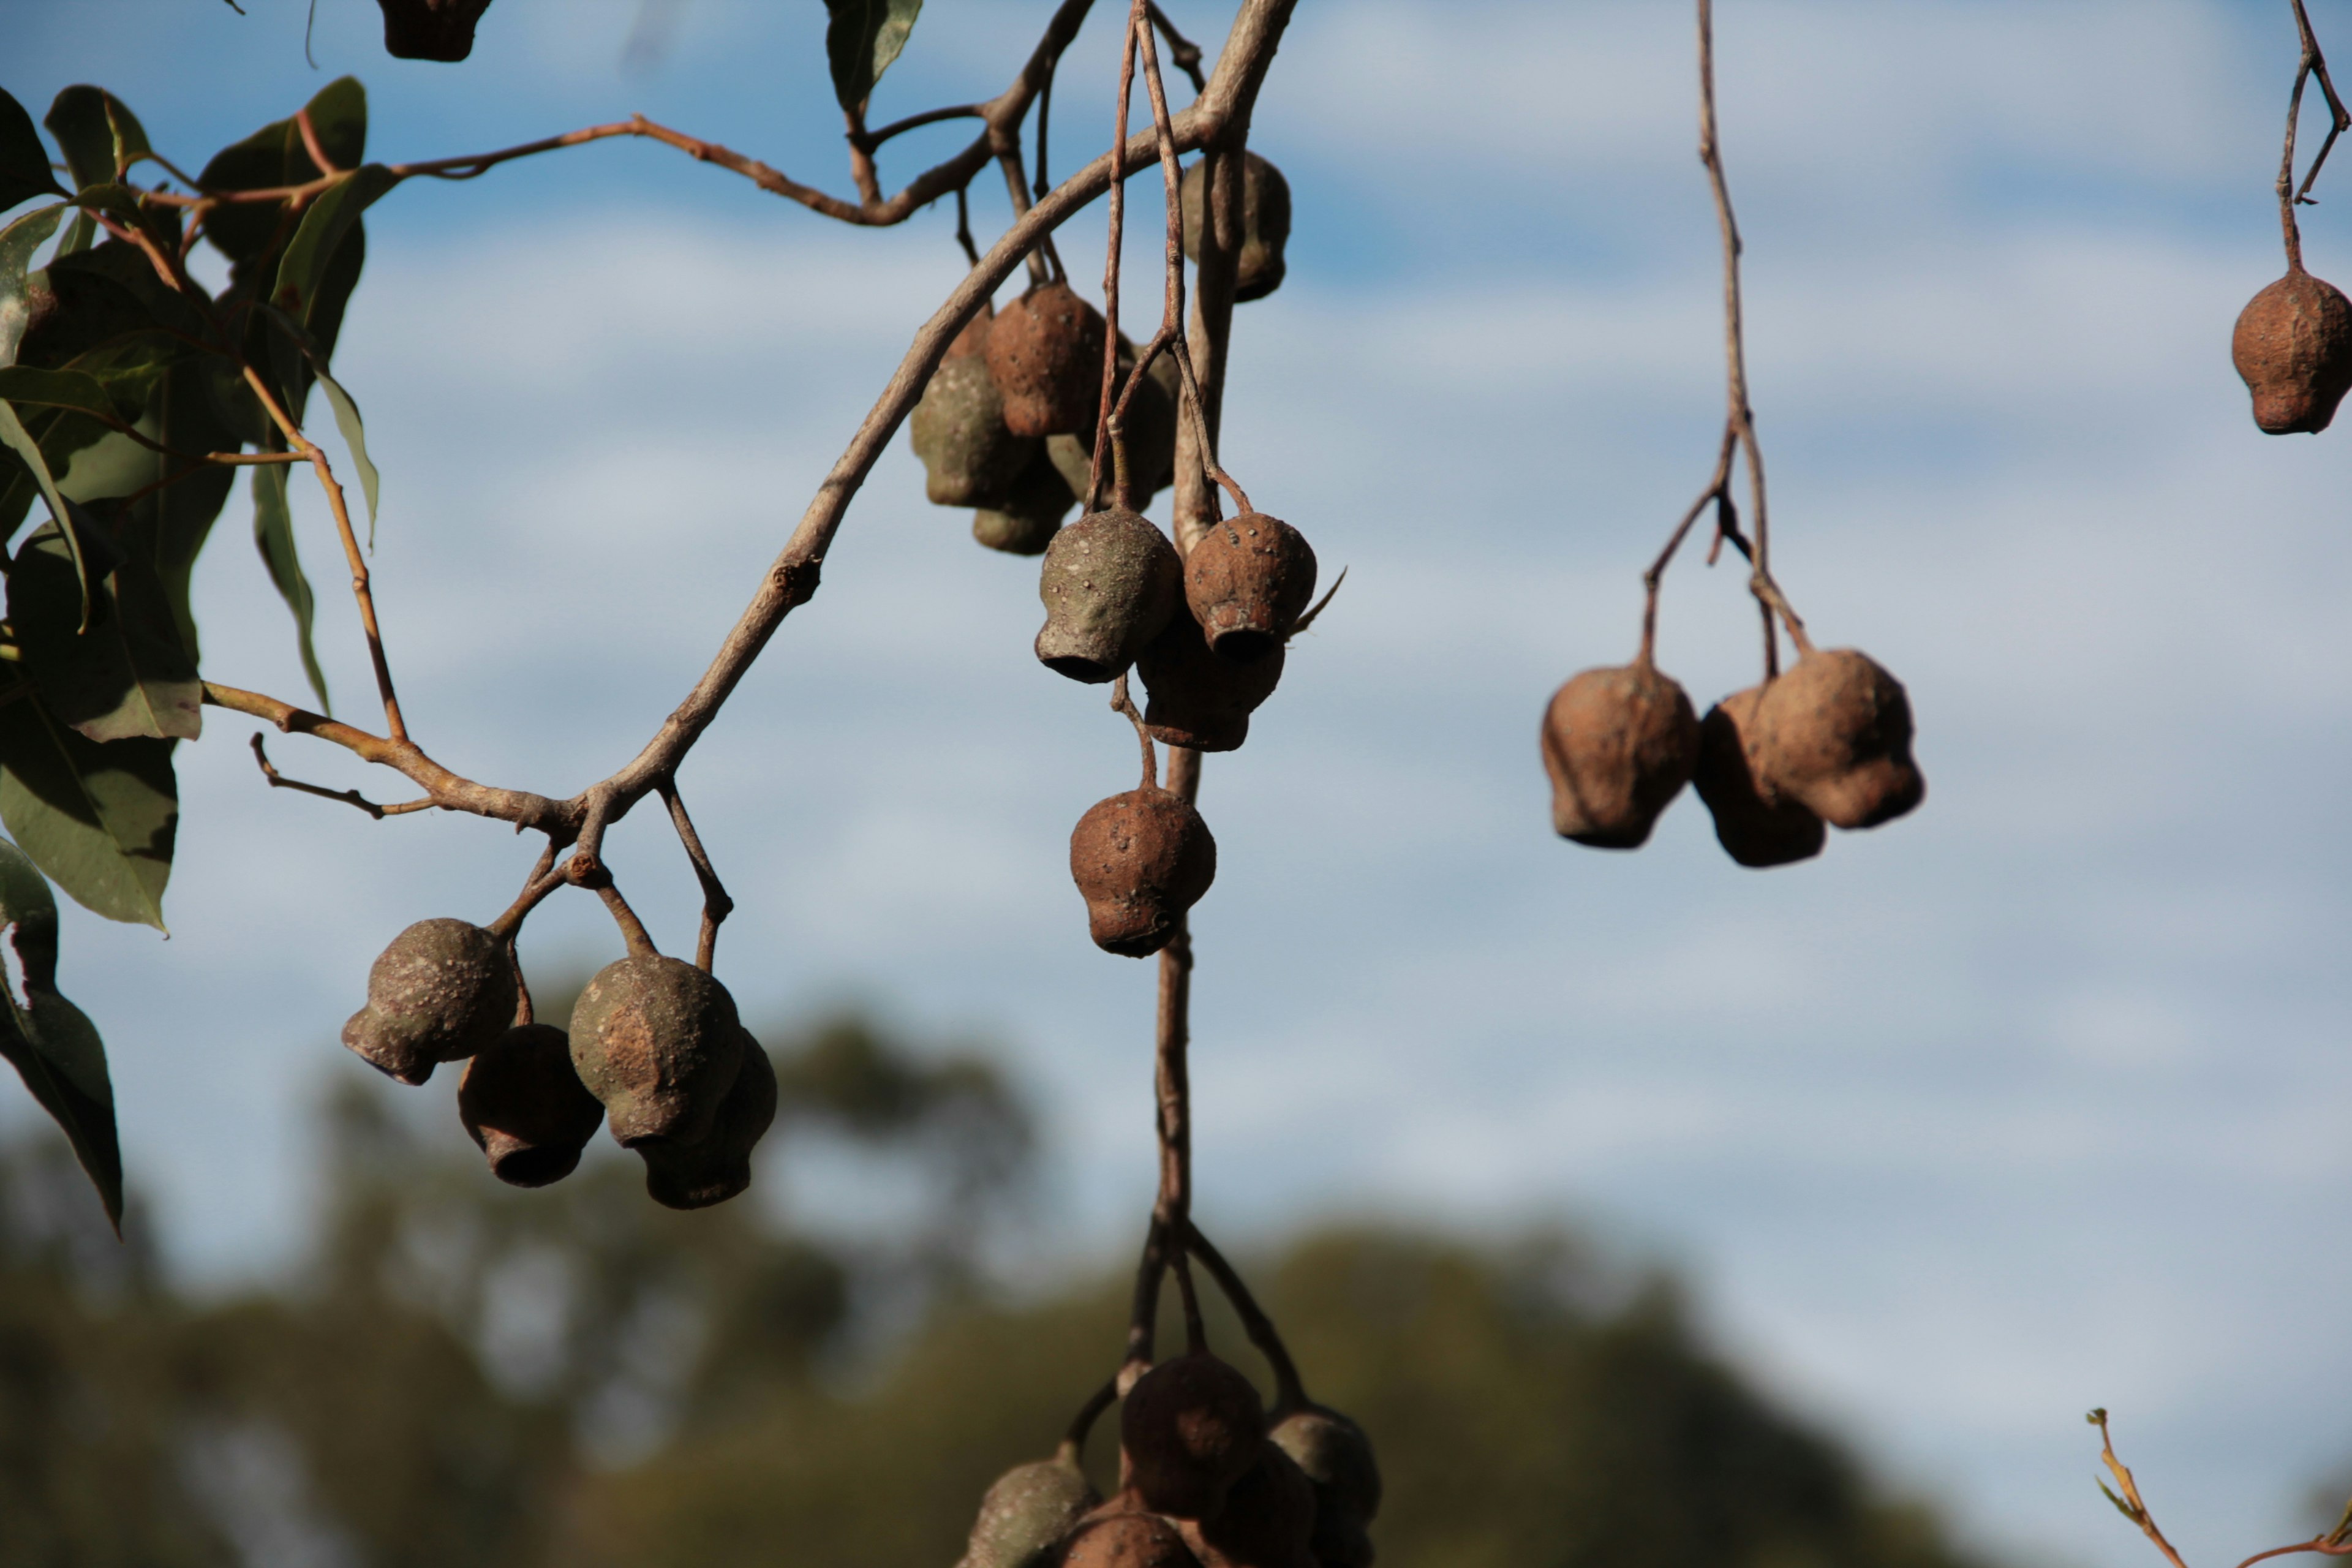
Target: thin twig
{"points": [[716, 905], [1289, 1390], [2129, 1503], [2340, 120], [1182, 53], [544, 879], [632, 929], [1073, 1440], [348, 796], [1118, 231], [1121, 702]]}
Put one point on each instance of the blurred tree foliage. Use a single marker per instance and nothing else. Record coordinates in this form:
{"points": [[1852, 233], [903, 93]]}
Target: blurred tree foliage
{"points": [[467, 1374]]}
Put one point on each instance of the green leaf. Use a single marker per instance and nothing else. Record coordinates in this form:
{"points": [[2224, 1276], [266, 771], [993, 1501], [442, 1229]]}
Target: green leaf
{"points": [[273, 533], [98, 820], [274, 155], [347, 412], [56, 1050], [24, 161], [169, 527], [128, 675], [102, 138], [303, 271], [862, 39], [17, 243], [24, 896], [61, 389], [13, 436]]}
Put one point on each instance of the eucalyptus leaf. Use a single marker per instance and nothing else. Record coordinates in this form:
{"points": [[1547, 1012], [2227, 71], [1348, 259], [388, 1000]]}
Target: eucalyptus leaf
{"points": [[61, 389], [57, 1052], [16, 439], [24, 170], [128, 675], [17, 243], [25, 895], [861, 41], [321, 233], [274, 155], [100, 138], [273, 534], [347, 412], [98, 820]]}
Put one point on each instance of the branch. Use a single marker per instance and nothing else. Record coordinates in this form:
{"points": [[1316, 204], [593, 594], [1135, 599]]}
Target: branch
{"points": [[1289, 1390], [2129, 1503], [348, 796], [716, 905]]}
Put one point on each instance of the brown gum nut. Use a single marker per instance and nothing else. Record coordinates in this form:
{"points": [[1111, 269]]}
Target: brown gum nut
{"points": [[1045, 352], [430, 29], [1150, 431], [1126, 1538], [1026, 1514], [525, 1108], [2294, 348], [1268, 1519], [1755, 828], [1335, 1455], [1030, 515], [1110, 583], [658, 1042], [1248, 580], [1618, 743], [1266, 223], [968, 457], [1140, 859], [719, 1166], [1188, 1430], [1198, 700], [441, 991], [1836, 733]]}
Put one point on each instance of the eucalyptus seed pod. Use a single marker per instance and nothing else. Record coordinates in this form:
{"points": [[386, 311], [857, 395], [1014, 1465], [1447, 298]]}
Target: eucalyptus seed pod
{"points": [[1335, 1455], [442, 990], [1188, 1430], [1140, 859], [1030, 515], [1248, 580], [1127, 1537], [658, 1042], [1027, 1512], [1046, 352], [524, 1107], [716, 1166], [1266, 223], [1836, 734], [968, 457], [1753, 823], [1197, 698], [1150, 435], [1619, 742], [1268, 1519], [430, 29], [1111, 582], [2294, 348]]}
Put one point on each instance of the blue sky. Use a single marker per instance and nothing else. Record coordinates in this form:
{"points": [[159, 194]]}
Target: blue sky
{"points": [[2029, 1103]]}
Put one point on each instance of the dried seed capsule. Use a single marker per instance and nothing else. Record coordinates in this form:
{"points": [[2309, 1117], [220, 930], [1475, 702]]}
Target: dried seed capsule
{"points": [[1188, 1430], [716, 1166], [1046, 352], [2294, 348], [1140, 859], [1268, 1519], [968, 457], [1248, 580], [1110, 582], [658, 1042], [1756, 826], [1619, 742], [1266, 223], [525, 1108], [1151, 427], [1836, 733], [1127, 1538], [430, 29], [1026, 1514], [1335, 1455], [1198, 700], [1024, 524], [443, 990]]}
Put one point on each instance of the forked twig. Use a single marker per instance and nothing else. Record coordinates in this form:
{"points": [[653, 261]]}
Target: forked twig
{"points": [[348, 796]]}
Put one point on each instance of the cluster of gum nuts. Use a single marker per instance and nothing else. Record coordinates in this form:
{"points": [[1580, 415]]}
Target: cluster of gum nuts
{"points": [[1208, 1478], [1825, 744], [655, 1046], [1007, 424], [2293, 347]]}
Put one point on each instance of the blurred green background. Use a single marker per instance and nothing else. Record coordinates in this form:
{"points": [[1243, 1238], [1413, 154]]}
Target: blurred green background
{"points": [[461, 1374]]}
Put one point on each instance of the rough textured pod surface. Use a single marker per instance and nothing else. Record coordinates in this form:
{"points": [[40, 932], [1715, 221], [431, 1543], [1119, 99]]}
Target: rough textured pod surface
{"points": [[1026, 1512], [1248, 580], [1266, 223], [1150, 435], [1618, 743], [2294, 348], [442, 990], [957, 430], [1268, 1519], [1189, 1428], [716, 1166], [1032, 512], [1127, 1539], [658, 1042], [1140, 859], [1110, 583], [1046, 352], [1834, 733], [430, 29], [525, 1108], [1335, 1455], [1197, 698], [1754, 828]]}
